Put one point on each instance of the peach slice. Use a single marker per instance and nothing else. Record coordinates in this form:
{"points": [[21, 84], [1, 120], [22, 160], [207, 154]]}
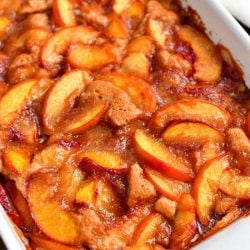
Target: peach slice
{"points": [[16, 159], [206, 185], [174, 62], [31, 38], [10, 106], [103, 160], [117, 29], [159, 157], [91, 57], [191, 110], [235, 185], [207, 152], [51, 245], [33, 6], [189, 133], [21, 205], [208, 63], [58, 44], [143, 44], [70, 180], [100, 195], [4, 24], [8, 206], [59, 98], [147, 229], [120, 6], [140, 91], [168, 187], [230, 217], [86, 194], [185, 226], [63, 13], [138, 64], [53, 221], [155, 29], [81, 120], [134, 14]]}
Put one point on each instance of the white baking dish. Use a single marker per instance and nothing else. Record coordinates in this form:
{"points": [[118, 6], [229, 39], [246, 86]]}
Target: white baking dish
{"points": [[222, 28]]}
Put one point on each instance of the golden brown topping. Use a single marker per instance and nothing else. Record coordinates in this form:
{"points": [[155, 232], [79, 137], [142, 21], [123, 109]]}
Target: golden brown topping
{"points": [[119, 121]]}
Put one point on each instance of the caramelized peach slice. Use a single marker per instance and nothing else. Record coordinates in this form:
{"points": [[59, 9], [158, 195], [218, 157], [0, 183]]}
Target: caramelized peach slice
{"points": [[86, 194], [100, 195], [192, 110], [63, 13], [21, 205], [140, 92], [8, 206], [10, 106], [208, 152], [174, 62], [32, 6], [230, 217], [168, 187], [185, 226], [51, 245], [147, 229], [4, 24], [59, 99], [235, 185], [159, 157], [117, 29], [58, 44], [103, 160], [31, 38], [138, 64], [16, 159], [208, 64], [91, 57], [120, 6], [81, 120], [155, 29], [134, 14], [47, 213], [190, 133], [70, 180], [142, 45], [206, 185]]}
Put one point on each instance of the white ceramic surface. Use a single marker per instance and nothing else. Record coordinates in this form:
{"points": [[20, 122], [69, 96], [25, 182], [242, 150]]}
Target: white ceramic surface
{"points": [[240, 9], [223, 29], [8, 233]]}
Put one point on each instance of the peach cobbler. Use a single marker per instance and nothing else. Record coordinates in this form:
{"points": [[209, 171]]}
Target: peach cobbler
{"points": [[122, 125]]}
